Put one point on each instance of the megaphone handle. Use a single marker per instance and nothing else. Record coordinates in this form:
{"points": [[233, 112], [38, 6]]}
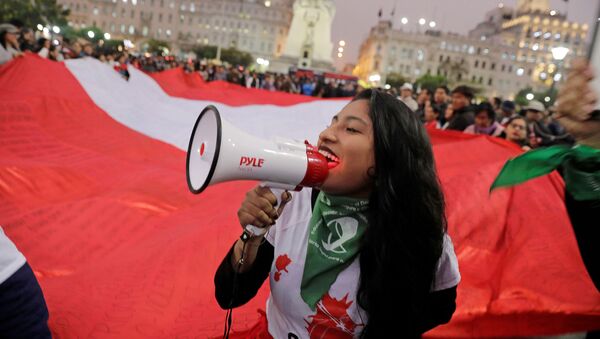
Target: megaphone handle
{"points": [[256, 231]]}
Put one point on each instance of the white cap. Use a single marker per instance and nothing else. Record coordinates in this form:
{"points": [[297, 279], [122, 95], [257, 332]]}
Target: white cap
{"points": [[535, 105], [407, 86]]}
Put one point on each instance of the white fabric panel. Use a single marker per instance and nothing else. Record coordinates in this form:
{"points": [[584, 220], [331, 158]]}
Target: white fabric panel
{"points": [[143, 106]]}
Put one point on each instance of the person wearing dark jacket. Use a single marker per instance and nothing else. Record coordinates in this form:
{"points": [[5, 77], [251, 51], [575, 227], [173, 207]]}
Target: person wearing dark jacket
{"points": [[464, 114]]}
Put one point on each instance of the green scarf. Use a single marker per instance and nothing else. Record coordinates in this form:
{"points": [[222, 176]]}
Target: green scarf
{"points": [[580, 169], [336, 228]]}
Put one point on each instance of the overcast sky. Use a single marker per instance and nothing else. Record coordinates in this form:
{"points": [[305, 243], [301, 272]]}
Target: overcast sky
{"points": [[354, 18]]}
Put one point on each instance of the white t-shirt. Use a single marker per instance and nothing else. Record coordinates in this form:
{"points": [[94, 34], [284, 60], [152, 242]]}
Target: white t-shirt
{"points": [[337, 313], [10, 257]]}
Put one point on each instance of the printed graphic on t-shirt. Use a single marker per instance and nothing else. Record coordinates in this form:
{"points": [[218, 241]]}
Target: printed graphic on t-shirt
{"points": [[281, 264], [332, 320]]}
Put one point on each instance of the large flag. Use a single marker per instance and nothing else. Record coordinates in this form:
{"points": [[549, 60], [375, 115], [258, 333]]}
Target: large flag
{"points": [[93, 192]]}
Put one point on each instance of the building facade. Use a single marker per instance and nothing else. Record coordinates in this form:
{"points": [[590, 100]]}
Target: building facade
{"points": [[508, 51], [479, 63], [259, 27]]}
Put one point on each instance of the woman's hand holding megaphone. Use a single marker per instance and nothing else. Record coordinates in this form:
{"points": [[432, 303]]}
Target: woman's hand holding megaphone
{"points": [[259, 209]]}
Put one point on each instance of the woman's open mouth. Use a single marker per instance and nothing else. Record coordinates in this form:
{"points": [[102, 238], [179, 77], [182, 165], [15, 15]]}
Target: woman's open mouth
{"points": [[332, 159]]}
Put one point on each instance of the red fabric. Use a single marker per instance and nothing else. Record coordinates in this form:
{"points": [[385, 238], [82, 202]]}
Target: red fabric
{"points": [[123, 250], [176, 82]]}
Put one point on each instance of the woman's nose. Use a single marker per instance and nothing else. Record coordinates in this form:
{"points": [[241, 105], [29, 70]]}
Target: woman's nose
{"points": [[328, 135]]}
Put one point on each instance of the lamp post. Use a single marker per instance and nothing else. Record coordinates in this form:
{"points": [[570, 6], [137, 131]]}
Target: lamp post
{"points": [[558, 54]]}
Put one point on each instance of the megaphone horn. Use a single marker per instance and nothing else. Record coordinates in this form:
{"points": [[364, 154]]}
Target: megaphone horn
{"points": [[219, 152]]}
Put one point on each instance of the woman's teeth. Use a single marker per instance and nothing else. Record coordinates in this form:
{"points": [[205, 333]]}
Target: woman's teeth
{"points": [[329, 156]]}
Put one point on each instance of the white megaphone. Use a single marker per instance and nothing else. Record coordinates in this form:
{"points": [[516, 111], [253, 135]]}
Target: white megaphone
{"points": [[219, 152]]}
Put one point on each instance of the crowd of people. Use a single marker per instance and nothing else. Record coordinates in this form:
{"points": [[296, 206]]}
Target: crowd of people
{"points": [[532, 126], [15, 41]]}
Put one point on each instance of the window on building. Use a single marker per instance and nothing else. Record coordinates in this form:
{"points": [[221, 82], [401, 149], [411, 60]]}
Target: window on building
{"points": [[441, 57], [480, 80], [483, 64], [493, 66], [159, 17], [476, 64], [132, 15], [145, 31], [490, 82]]}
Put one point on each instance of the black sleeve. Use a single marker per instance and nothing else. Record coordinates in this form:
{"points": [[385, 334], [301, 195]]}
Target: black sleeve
{"points": [[439, 308], [248, 283], [584, 218]]}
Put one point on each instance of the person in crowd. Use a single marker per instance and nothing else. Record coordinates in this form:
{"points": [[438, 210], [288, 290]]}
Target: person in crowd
{"points": [[54, 53], [308, 87], [423, 97], [9, 44], [121, 65], [507, 111], [496, 102], [463, 115], [432, 115], [220, 73], [23, 310], [516, 132], [406, 92], [381, 154], [76, 50], [269, 83], [539, 133], [440, 98], [43, 47], [88, 50], [485, 121], [27, 40]]}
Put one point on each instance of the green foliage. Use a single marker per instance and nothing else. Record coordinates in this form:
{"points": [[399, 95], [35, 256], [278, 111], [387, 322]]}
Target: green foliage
{"points": [[236, 57], [396, 80], [522, 100], [431, 81], [230, 55], [73, 34], [205, 51], [33, 12], [157, 47]]}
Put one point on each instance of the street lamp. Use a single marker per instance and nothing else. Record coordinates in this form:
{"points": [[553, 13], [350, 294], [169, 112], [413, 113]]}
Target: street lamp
{"points": [[90, 34], [404, 20], [342, 43], [422, 21], [432, 24], [558, 54]]}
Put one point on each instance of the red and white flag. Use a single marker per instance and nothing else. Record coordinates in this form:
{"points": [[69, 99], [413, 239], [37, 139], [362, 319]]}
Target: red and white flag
{"points": [[93, 192]]}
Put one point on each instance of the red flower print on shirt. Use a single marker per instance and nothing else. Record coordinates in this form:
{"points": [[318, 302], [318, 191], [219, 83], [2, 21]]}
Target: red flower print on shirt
{"points": [[331, 320], [281, 264]]}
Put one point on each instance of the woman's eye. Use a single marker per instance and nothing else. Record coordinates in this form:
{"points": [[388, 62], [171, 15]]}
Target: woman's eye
{"points": [[351, 130]]}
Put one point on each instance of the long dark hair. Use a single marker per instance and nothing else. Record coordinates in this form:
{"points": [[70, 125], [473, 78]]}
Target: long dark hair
{"points": [[403, 242]]}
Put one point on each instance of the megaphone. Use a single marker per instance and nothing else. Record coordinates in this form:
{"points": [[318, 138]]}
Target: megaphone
{"points": [[220, 152]]}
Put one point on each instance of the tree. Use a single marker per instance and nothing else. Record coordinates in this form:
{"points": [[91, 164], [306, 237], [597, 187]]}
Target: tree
{"points": [[205, 51], [236, 57], [230, 55], [395, 80], [30, 13], [72, 34], [157, 46], [546, 97], [431, 81]]}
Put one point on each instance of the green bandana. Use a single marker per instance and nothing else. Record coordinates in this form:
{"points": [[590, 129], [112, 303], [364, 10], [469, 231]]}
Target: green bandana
{"points": [[579, 164], [336, 227]]}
